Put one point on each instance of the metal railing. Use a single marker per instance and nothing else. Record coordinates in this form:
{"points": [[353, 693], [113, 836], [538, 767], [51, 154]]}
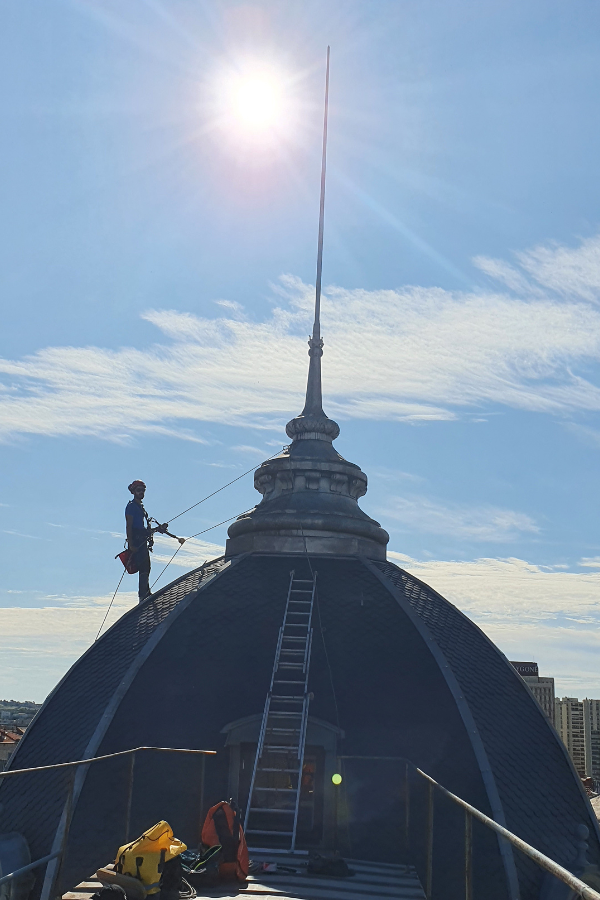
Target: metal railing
{"points": [[59, 854], [471, 812]]}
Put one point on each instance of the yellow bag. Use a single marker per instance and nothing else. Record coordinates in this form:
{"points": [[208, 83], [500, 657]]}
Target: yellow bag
{"points": [[145, 857]]}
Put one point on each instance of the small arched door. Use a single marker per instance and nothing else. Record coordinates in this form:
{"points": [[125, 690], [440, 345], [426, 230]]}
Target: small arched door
{"points": [[316, 817]]}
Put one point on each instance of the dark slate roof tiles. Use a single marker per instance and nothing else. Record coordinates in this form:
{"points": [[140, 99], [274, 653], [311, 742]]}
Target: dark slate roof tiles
{"points": [[63, 727], [538, 787]]}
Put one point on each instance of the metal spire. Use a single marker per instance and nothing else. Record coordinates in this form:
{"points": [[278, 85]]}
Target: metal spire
{"points": [[314, 397]]}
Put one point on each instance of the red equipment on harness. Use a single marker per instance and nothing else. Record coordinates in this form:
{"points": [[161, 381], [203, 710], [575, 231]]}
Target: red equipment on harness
{"points": [[127, 557], [222, 826]]}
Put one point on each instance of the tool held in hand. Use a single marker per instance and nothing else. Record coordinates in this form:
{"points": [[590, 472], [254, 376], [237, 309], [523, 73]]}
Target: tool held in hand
{"points": [[162, 529]]}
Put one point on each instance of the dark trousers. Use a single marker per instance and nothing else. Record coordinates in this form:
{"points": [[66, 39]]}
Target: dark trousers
{"points": [[142, 559]]}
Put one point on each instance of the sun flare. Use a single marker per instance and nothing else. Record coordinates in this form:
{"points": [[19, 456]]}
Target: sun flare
{"points": [[256, 102], [253, 102]]}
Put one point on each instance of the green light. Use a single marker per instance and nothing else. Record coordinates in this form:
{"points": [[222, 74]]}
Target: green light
{"points": [[337, 779]]}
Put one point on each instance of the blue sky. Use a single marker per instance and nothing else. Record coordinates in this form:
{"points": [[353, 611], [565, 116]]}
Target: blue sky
{"points": [[156, 268]]}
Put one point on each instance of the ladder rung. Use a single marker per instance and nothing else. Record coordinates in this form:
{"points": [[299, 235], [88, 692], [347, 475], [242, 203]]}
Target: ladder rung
{"points": [[284, 715], [290, 665], [281, 748], [288, 701], [260, 809], [290, 650], [303, 581], [268, 769], [259, 831], [283, 681], [287, 698], [274, 729], [288, 790]]}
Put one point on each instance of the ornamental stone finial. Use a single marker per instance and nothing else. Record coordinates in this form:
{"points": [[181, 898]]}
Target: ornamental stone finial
{"points": [[312, 421]]}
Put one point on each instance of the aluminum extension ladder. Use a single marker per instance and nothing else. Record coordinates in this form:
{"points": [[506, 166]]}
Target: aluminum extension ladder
{"points": [[274, 796]]}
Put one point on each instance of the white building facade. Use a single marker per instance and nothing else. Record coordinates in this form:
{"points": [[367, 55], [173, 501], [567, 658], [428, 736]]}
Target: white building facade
{"points": [[591, 731], [569, 722]]}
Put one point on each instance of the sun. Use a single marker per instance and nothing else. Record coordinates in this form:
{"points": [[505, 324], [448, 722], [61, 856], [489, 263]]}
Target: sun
{"points": [[254, 103]]}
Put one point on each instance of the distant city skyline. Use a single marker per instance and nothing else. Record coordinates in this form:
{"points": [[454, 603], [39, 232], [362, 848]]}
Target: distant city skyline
{"points": [[157, 258]]}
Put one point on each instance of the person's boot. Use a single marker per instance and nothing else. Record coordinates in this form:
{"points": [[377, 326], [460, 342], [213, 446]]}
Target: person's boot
{"points": [[144, 587]]}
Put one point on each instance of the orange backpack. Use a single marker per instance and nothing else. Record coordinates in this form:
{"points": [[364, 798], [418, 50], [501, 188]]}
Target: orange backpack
{"points": [[222, 826]]}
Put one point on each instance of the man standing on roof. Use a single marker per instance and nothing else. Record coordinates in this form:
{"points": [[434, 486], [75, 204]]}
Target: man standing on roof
{"points": [[140, 535]]}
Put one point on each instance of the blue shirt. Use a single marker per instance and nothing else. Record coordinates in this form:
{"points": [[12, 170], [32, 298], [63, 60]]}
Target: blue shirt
{"points": [[136, 512]]}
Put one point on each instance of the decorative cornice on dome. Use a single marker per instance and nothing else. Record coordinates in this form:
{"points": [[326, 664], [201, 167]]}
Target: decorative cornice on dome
{"points": [[284, 474]]}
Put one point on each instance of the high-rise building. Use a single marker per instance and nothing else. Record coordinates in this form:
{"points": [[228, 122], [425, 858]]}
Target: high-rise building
{"points": [[591, 730], [570, 724], [578, 723], [540, 686]]}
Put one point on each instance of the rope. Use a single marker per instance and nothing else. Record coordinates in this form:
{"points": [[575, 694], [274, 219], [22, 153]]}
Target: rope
{"points": [[167, 565], [198, 533], [109, 605], [229, 483], [224, 522]]}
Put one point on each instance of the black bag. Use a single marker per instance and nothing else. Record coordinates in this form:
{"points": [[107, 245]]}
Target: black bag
{"points": [[332, 866], [201, 869], [173, 885], [110, 892]]}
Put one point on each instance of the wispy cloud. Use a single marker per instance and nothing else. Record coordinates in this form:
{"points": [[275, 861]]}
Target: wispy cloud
{"points": [[501, 271], [479, 523], [587, 435], [412, 354], [571, 272], [249, 449]]}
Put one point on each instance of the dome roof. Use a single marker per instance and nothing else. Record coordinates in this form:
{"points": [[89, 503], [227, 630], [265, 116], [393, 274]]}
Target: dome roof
{"points": [[397, 668]]}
